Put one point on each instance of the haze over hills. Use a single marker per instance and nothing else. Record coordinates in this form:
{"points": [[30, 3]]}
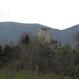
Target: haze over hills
{"points": [[10, 31]]}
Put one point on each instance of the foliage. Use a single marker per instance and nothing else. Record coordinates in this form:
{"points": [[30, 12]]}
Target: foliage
{"points": [[39, 58]]}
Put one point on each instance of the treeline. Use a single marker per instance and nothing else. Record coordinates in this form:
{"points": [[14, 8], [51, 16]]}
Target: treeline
{"points": [[32, 56]]}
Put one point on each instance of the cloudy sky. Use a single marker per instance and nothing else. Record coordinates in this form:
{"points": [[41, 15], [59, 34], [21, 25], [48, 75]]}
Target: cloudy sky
{"points": [[59, 14]]}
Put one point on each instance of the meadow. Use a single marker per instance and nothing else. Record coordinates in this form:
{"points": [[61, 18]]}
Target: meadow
{"points": [[5, 74]]}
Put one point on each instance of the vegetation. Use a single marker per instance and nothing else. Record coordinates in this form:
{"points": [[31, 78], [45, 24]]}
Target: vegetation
{"points": [[32, 60]]}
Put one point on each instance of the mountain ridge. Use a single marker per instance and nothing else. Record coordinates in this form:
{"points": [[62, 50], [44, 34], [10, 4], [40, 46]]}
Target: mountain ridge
{"points": [[10, 31]]}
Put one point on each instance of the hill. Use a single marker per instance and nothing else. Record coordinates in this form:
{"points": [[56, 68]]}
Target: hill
{"points": [[10, 31]]}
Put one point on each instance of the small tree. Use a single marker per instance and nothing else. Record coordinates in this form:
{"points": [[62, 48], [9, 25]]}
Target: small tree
{"points": [[24, 42], [24, 38], [1, 55], [1, 51]]}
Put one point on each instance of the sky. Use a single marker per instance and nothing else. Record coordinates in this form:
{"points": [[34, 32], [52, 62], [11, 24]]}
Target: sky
{"points": [[58, 14]]}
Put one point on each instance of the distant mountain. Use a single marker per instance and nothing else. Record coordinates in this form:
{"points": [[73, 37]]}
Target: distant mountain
{"points": [[10, 31], [68, 35]]}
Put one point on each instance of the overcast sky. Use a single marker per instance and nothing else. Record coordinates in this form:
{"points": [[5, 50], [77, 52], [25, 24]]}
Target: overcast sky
{"points": [[59, 14]]}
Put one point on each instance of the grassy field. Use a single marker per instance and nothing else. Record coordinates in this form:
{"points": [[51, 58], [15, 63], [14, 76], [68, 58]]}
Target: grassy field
{"points": [[24, 75]]}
